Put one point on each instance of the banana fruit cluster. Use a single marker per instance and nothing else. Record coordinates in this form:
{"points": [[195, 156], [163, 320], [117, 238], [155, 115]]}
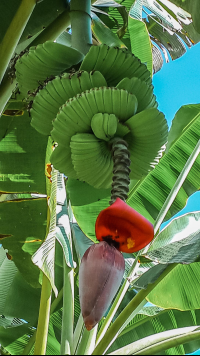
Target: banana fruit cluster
{"points": [[111, 95], [45, 60]]}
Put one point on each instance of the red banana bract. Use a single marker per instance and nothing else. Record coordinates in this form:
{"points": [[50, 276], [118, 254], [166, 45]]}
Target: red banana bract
{"points": [[125, 228]]}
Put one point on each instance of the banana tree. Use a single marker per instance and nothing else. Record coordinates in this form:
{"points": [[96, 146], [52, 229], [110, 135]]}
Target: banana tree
{"points": [[88, 174]]}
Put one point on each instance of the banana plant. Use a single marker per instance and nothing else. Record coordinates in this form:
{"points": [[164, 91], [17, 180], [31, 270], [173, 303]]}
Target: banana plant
{"points": [[82, 138]]}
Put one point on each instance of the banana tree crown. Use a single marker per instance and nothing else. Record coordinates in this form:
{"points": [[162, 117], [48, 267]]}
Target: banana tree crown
{"points": [[110, 96]]}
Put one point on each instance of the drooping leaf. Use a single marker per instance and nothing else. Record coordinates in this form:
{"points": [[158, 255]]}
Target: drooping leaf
{"points": [[178, 242], [157, 59], [59, 228], [140, 35], [169, 40], [193, 8]]}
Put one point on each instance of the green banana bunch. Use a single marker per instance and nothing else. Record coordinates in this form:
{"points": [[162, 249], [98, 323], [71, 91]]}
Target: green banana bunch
{"points": [[43, 61], [104, 126], [111, 95]]}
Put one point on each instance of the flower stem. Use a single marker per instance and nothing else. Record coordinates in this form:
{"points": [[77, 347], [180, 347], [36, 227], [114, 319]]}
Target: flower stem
{"points": [[68, 311], [121, 170], [43, 320]]}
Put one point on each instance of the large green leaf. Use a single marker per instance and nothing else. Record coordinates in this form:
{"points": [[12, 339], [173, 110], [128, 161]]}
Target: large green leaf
{"points": [[179, 289], [151, 320], [9, 338], [149, 195], [24, 235], [23, 153], [177, 243]]}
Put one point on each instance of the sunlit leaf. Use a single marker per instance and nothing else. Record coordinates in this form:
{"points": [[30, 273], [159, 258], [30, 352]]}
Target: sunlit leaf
{"points": [[144, 52], [193, 7], [179, 289]]}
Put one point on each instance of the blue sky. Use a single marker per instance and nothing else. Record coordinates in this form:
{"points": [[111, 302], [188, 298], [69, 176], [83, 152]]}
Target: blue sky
{"points": [[177, 84]]}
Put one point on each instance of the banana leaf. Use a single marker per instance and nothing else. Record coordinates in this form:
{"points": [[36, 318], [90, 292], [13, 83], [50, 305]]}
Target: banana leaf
{"points": [[193, 7], [22, 151], [26, 233]]}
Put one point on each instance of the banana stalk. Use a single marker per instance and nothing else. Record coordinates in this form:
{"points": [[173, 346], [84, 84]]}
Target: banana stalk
{"points": [[121, 170]]}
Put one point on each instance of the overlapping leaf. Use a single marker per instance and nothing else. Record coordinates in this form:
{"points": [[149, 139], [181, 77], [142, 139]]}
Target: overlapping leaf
{"points": [[59, 228], [152, 320]]}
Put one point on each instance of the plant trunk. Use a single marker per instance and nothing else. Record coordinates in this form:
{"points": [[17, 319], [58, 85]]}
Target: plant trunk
{"points": [[80, 13], [14, 33]]}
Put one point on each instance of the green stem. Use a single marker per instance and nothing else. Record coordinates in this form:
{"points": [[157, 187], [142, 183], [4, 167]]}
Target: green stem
{"points": [[87, 343], [31, 342], [6, 88], [43, 320], [14, 33], [119, 323], [78, 333], [68, 311], [51, 32], [81, 25]]}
